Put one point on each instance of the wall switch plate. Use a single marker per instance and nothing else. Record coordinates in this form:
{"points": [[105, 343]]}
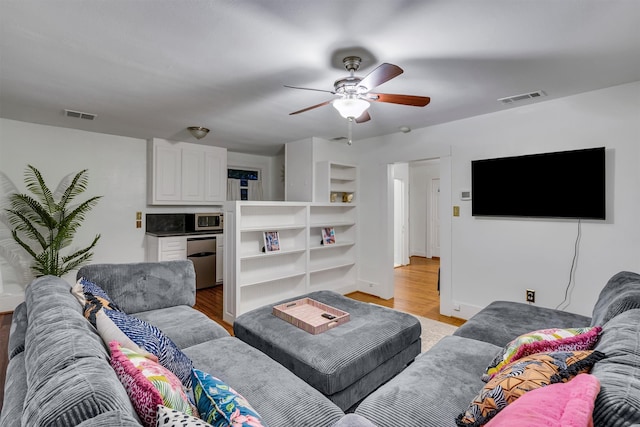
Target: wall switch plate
{"points": [[531, 295]]}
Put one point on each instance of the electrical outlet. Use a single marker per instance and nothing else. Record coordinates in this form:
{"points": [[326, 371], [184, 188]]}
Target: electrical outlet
{"points": [[531, 295]]}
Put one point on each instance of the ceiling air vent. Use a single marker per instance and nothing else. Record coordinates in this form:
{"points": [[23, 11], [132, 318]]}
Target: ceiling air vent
{"points": [[524, 96], [80, 115]]}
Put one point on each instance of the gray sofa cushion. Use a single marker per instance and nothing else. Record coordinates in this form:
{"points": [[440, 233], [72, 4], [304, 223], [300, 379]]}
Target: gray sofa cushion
{"points": [[145, 286], [18, 330], [279, 397], [618, 403], [621, 293], [353, 420], [501, 321], [111, 419], [15, 390], [172, 321], [68, 376], [434, 389]]}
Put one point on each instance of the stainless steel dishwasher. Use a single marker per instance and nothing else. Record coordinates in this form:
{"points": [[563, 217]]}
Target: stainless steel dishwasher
{"points": [[202, 252]]}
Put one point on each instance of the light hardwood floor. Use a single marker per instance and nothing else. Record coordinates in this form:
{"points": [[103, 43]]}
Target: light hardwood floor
{"points": [[415, 292]]}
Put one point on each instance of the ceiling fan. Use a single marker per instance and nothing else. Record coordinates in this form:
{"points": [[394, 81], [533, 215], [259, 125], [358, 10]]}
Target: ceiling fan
{"points": [[354, 93]]}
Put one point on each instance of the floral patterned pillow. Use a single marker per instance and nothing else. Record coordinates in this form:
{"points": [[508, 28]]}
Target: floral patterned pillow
{"points": [[554, 339], [525, 374], [220, 405], [148, 384]]}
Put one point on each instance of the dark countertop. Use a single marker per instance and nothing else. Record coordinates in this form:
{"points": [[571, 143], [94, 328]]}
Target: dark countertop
{"points": [[182, 233]]}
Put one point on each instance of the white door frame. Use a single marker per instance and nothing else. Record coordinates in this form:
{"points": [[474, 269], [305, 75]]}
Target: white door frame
{"points": [[446, 291], [433, 245], [400, 223]]}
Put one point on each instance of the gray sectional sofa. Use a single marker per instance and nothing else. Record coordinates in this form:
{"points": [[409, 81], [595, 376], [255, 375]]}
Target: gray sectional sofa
{"points": [[441, 382], [59, 372]]}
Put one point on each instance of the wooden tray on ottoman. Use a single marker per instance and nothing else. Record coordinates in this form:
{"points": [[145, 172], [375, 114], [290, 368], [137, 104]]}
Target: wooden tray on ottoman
{"points": [[306, 314]]}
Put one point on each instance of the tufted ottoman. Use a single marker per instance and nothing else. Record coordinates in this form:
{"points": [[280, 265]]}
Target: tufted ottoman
{"points": [[345, 363]]}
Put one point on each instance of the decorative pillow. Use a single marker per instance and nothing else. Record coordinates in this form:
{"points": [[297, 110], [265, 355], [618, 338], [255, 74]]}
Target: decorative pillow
{"points": [[555, 339], [557, 405], [84, 286], [155, 342], [220, 405], [526, 374], [92, 297], [148, 384], [167, 417], [108, 331]]}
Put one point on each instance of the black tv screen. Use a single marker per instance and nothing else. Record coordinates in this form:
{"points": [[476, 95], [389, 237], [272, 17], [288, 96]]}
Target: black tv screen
{"points": [[567, 184]]}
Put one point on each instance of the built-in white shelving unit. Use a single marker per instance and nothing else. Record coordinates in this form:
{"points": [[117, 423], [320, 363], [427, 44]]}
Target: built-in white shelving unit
{"points": [[254, 278], [334, 180]]}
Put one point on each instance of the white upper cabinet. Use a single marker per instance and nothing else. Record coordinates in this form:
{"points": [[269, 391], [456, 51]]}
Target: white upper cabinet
{"points": [[180, 173], [215, 172]]}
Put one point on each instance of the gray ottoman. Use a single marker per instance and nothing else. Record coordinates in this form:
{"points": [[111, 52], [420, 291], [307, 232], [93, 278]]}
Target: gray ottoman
{"points": [[345, 363]]}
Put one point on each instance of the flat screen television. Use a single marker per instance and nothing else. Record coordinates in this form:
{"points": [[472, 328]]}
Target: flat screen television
{"points": [[566, 184]]}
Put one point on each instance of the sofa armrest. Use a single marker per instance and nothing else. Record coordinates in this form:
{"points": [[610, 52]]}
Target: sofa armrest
{"points": [[18, 330], [621, 293], [145, 286]]}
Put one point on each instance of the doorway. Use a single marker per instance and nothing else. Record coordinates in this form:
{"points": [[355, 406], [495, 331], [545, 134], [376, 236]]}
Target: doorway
{"points": [[422, 228]]}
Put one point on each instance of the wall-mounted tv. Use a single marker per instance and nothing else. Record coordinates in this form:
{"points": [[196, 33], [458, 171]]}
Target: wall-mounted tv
{"points": [[566, 184]]}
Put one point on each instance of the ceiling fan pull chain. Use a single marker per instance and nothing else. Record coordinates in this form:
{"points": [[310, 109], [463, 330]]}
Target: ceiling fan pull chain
{"points": [[350, 131]]}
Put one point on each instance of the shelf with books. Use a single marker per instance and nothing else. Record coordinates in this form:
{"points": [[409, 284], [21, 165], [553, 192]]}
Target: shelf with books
{"points": [[252, 242], [275, 251]]}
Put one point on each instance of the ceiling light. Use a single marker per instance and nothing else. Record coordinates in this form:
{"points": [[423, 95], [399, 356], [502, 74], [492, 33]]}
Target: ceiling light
{"points": [[351, 107], [404, 129], [198, 131]]}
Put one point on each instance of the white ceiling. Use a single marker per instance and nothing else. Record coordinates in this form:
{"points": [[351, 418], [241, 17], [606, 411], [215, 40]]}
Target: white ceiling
{"points": [[150, 68]]}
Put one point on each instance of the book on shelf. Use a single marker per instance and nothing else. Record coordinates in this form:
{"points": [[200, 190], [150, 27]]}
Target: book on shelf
{"points": [[328, 236], [271, 241]]}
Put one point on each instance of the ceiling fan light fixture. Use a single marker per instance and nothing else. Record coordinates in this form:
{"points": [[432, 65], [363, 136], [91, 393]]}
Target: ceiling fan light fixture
{"points": [[198, 131], [351, 107]]}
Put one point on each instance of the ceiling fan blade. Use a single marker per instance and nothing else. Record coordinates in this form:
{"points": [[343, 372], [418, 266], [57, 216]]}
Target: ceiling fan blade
{"points": [[383, 73], [416, 101], [311, 108], [365, 117], [308, 88]]}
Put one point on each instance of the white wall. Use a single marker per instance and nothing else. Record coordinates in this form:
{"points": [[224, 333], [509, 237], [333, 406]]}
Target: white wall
{"points": [[421, 173], [301, 158], [492, 259], [117, 171]]}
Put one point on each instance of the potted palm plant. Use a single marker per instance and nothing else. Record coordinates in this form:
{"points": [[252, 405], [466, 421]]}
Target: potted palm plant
{"points": [[45, 222]]}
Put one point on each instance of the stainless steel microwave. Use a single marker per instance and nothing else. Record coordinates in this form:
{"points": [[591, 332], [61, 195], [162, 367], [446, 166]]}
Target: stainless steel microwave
{"points": [[204, 222]]}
